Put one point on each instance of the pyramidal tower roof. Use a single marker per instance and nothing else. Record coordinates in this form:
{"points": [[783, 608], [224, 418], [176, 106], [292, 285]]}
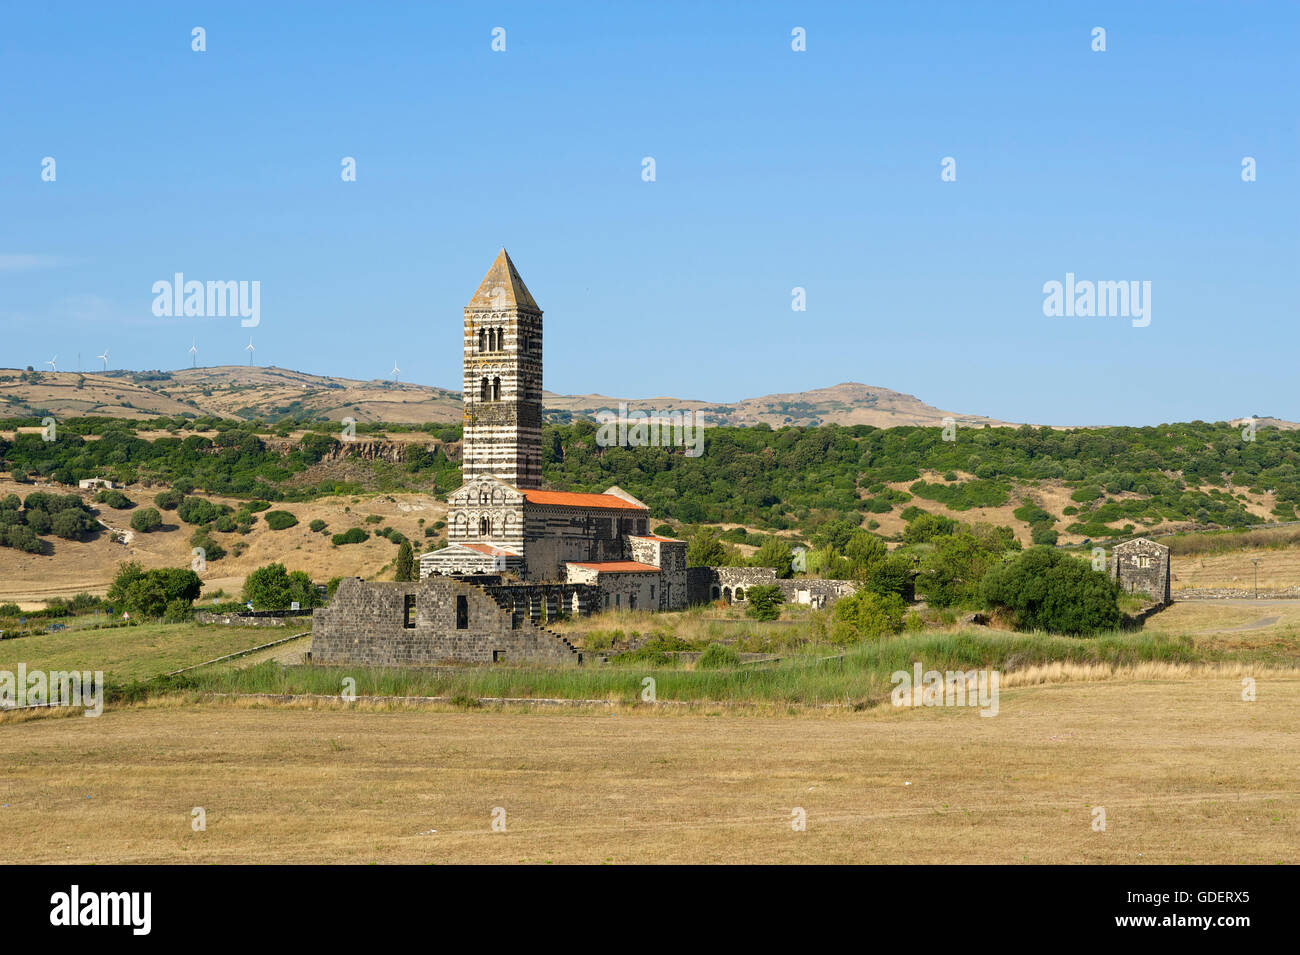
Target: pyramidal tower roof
{"points": [[503, 276]]}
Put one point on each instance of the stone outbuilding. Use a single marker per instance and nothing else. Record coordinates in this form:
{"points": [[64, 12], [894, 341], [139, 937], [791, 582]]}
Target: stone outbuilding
{"points": [[1142, 566], [442, 620]]}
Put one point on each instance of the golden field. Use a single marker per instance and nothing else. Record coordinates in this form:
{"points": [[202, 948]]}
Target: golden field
{"points": [[1186, 772]]}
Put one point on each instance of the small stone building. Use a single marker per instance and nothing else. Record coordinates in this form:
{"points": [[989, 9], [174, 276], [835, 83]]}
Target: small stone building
{"points": [[731, 584], [1142, 566], [442, 620]]}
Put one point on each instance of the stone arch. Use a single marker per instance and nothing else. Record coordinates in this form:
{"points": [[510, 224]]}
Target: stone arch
{"points": [[483, 389], [717, 593], [726, 594], [496, 388], [740, 593]]}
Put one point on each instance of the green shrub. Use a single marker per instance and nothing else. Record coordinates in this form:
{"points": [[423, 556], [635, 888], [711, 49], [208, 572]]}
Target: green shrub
{"points": [[114, 499], [717, 656], [146, 520], [178, 611], [764, 601], [866, 616], [280, 520], [168, 500], [316, 526], [1043, 534], [199, 510], [354, 535]]}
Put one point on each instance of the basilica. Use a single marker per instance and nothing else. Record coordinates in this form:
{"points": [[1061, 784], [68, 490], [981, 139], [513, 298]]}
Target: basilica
{"points": [[501, 522]]}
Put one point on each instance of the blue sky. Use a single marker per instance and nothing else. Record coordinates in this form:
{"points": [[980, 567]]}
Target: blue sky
{"points": [[775, 169]]}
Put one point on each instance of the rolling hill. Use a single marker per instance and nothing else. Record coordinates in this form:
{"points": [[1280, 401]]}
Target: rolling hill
{"points": [[235, 391]]}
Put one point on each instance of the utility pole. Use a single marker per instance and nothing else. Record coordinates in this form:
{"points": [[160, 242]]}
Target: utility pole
{"points": [[1255, 561]]}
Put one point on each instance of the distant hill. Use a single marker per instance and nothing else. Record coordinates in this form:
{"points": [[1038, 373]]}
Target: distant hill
{"points": [[237, 391], [270, 393]]}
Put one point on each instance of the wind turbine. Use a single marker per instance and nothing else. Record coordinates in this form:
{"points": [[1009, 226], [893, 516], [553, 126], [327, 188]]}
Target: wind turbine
{"points": [[105, 358], [395, 370], [51, 363], [250, 349], [194, 352]]}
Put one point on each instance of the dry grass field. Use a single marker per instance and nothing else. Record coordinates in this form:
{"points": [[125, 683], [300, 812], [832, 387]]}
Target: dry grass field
{"points": [[1279, 568], [1186, 772]]}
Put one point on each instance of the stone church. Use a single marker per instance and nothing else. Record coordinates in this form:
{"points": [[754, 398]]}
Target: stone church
{"points": [[517, 555], [501, 522]]}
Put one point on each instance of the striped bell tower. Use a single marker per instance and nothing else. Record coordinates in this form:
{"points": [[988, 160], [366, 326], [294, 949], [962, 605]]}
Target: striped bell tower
{"points": [[503, 380]]}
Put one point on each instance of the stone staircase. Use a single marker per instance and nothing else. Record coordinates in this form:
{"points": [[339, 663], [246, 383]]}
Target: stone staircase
{"points": [[507, 607]]}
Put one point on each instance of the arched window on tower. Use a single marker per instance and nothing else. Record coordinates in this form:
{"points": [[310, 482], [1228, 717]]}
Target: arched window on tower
{"points": [[484, 527], [483, 390], [482, 339], [496, 389]]}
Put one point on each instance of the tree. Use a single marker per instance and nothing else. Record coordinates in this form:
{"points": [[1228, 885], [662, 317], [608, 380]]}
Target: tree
{"points": [[405, 562], [929, 527], [764, 601], [146, 520], [863, 549], [776, 553], [705, 550], [72, 524], [893, 575], [274, 588], [127, 573], [951, 574], [148, 592], [834, 534], [1046, 589], [168, 500]]}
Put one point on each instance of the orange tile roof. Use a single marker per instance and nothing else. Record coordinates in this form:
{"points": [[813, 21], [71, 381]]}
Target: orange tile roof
{"points": [[486, 549], [573, 499], [617, 566], [656, 537]]}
